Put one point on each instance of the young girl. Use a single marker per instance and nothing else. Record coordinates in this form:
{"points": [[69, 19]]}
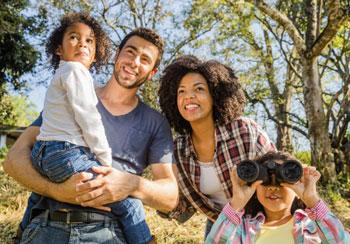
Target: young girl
{"points": [[72, 137], [277, 214]]}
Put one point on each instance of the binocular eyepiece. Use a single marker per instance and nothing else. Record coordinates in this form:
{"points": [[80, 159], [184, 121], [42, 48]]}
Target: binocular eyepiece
{"points": [[270, 172]]}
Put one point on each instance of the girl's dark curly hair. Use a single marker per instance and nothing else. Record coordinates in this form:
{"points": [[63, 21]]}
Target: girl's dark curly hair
{"points": [[253, 206], [103, 43], [227, 94]]}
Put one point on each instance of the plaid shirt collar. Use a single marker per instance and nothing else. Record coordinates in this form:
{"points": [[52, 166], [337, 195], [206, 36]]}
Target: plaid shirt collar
{"points": [[190, 159], [221, 134]]}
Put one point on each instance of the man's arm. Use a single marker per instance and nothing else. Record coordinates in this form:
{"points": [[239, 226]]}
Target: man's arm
{"points": [[18, 165], [161, 193]]}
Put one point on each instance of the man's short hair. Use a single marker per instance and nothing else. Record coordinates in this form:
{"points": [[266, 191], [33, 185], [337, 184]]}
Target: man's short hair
{"points": [[148, 35]]}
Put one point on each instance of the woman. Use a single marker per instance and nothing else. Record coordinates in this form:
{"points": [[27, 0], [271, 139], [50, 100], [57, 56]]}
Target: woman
{"points": [[203, 102]]}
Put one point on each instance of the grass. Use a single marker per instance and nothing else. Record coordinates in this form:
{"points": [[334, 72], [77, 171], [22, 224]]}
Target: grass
{"points": [[13, 199]]}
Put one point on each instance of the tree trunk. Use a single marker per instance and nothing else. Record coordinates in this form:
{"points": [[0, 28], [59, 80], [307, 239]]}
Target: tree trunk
{"points": [[281, 102], [321, 152], [284, 133]]}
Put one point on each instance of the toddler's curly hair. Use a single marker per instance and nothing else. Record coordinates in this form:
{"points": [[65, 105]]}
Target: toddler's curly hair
{"points": [[103, 42]]}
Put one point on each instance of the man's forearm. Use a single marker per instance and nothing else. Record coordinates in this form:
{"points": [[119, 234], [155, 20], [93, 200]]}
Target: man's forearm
{"points": [[18, 164], [24, 173], [161, 194]]}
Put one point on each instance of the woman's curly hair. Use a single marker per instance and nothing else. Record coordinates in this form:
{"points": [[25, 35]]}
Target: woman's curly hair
{"points": [[103, 42], [228, 96], [253, 207]]}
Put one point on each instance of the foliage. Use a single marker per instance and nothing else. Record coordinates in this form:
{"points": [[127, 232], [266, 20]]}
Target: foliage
{"points": [[7, 116], [304, 157], [3, 152], [16, 110], [17, 55]]}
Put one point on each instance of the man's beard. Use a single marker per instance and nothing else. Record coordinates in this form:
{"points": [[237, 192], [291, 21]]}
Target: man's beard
{"points": [[136, 84]]}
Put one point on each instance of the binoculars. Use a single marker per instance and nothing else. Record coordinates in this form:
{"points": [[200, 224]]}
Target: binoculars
{"points": [[270, 172]]}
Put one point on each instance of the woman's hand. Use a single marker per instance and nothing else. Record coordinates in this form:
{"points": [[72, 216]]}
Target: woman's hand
{"points": [[241, 192], [305, 188]]}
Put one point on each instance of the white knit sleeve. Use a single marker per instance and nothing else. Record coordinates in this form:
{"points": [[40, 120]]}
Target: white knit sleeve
{"points": [[81, 95]]}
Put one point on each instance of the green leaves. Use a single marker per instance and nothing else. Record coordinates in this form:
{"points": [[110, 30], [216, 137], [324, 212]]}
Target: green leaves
{"points": [[17, 56]]}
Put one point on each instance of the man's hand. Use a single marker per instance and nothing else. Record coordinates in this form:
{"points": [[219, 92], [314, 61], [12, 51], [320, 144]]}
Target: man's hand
{"points": [[66, 191], [110, 186]]}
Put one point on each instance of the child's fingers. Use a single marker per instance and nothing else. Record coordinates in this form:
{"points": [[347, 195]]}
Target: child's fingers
{"points": [[311, 172], [236, 181], [234, 176]]}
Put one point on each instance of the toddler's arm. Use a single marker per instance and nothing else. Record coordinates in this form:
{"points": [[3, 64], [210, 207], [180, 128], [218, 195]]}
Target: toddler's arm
{"points": [[83, 100]]}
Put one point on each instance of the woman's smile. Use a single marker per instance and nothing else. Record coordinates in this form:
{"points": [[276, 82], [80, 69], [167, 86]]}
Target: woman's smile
{"points": [[193, 98]]}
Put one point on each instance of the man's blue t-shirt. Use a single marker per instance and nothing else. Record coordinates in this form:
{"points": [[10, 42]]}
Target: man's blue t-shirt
{"points": [[137, 139]]}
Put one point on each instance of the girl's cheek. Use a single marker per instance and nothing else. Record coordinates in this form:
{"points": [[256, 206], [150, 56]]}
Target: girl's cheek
{"points": [[260, 193]]}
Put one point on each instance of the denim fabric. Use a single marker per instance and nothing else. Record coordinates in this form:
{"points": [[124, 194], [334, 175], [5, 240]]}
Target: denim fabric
{"points": [[41, 230], [132, 215], [32, 200], [60, 160]]}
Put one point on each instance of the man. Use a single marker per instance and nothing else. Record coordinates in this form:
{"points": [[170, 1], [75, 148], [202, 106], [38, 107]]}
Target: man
{"points": [[138, 136]]}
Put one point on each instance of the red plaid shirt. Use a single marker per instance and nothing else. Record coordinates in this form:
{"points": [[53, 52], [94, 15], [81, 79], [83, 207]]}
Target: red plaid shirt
{"points": [[239, 140]]}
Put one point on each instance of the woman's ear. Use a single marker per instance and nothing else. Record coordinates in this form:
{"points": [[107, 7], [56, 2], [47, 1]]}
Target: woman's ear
{"points": [[59, 50]]}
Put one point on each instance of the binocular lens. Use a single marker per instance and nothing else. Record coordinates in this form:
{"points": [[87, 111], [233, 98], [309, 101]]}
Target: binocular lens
{"points": [[291, 171], [248, 171], [270, 172]]}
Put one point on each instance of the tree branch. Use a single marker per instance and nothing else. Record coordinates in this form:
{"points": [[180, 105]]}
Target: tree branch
{"points": [[280, 40], [337, 16], [282, 20], [278, 122]]}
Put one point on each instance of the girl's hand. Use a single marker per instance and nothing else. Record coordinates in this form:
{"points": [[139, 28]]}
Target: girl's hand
{"points": [[241, 192], [305, 188]]}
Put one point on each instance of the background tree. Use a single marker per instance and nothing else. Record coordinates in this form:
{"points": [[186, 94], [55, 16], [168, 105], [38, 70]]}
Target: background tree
{"points": [[335, 65], [309, 46], [302, 29], [17, 56]]}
